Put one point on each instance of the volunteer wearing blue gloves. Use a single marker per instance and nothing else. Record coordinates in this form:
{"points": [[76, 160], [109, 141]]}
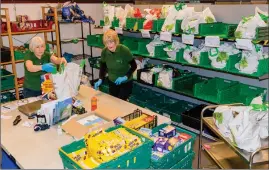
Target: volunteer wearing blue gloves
{"points": [[36, 63], [118, 62]]}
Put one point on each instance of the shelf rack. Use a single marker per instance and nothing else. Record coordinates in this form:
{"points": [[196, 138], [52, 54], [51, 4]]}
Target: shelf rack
{"points": [[9, 33], [233, 157], [67, 41]]}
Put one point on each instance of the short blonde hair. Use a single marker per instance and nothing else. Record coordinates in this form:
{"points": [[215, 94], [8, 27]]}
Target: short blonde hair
{"points": [[111, 35], [35, 42]]}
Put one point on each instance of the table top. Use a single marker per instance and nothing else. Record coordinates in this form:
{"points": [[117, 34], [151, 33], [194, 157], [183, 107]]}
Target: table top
{"points": [[35, 150]]}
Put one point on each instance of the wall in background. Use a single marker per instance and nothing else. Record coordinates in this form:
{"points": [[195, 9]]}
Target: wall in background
{"points": [[223, 13]]}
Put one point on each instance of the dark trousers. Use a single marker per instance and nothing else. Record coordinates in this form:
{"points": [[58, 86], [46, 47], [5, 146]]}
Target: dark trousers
{"points": [[31, 93], [122, 91]]}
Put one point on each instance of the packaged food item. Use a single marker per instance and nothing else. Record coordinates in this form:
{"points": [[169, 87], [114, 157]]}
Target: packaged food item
{"points": [[168, 132]]}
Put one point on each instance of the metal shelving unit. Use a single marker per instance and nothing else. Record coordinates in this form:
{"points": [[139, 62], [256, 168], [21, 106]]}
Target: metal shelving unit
{"points": [[233, 157]]}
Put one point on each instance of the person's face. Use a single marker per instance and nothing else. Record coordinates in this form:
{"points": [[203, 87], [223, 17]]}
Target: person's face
{"points": [[111, 45], [39, 50]]}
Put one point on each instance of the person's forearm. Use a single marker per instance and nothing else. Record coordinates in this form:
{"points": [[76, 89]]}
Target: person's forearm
{"points": [[102, 70], [132, 68], [34, 68]]}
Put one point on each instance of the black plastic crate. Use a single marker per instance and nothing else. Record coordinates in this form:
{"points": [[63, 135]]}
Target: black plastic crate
{"points": [[5, 55], [192, 118]]}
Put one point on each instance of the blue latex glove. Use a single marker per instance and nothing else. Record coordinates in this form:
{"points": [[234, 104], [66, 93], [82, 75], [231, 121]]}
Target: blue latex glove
{"points": [[97, 84], [120, 80], [49, 68]]}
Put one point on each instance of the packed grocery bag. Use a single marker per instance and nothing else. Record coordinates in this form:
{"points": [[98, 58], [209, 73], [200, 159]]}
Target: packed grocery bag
{"points": [[250, 59], [155, 42], [190, 25], [67, 82], [220, 56], [170, 21], [192, 54], [173, 49], [121, 15], [141, 63], [109, 12], [152, 14], [247, 26], [147, 76], [165, 78], [245, 126]]}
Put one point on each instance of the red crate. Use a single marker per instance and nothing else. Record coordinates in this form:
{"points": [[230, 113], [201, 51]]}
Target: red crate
{"points": [[33, 25]]}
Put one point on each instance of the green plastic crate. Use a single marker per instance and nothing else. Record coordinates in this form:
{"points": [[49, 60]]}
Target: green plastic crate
{"points": [[131, 43], [102, 23], [95, 40], [7, 80], [142, 47], [211, 90], [185, 163], [160, 53], [115, 22], [186, 85], [140, 96], [174, 110], [94, 62], [263, 67], [241, 93], [157, 25], [7, 97], [262, 34], [138, 158], [177, 154], [178, 29], [220, 29], [18, 55], [157, 103]]}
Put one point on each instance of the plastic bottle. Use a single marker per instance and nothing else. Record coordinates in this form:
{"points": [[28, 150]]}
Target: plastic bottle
{"points": [[94, 103]]}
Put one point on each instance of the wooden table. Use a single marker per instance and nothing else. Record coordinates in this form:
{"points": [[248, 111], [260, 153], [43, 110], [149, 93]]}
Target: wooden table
{"points": [[39, 150]]}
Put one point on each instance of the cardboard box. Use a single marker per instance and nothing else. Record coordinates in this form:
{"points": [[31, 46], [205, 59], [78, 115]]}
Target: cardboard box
{"points": [[77, 130]]}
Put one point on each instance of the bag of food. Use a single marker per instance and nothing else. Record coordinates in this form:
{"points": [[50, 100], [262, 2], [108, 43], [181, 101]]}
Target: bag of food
{"points": [[109, 12], [247, 26]]}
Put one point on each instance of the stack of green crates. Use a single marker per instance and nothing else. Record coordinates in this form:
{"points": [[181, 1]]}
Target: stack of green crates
{"points": [[7, 80], [138, 158], [7, 97], [159, 101], [211, 90], [182, 152], [174, 111], [223, 30]]}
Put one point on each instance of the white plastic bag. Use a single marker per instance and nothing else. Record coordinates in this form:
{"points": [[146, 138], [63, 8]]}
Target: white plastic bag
{"points": [[207, 16], [173, 49], [170, 21], [109, 12], [248, 63], [155, 42], [244, 134], [191, 55], [67, 83], [121, 15], [247, 26], [165, 79]]}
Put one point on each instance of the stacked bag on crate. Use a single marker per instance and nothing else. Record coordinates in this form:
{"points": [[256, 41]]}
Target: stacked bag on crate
{"points": [[245, 126]]}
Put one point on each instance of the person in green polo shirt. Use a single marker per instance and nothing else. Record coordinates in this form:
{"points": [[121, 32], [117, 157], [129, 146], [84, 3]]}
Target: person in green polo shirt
{"points": [[36, 63], [118, 62]]}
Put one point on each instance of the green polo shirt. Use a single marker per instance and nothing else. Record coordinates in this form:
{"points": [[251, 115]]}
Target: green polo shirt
{"points": [[118, 62], [32, 80]]}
